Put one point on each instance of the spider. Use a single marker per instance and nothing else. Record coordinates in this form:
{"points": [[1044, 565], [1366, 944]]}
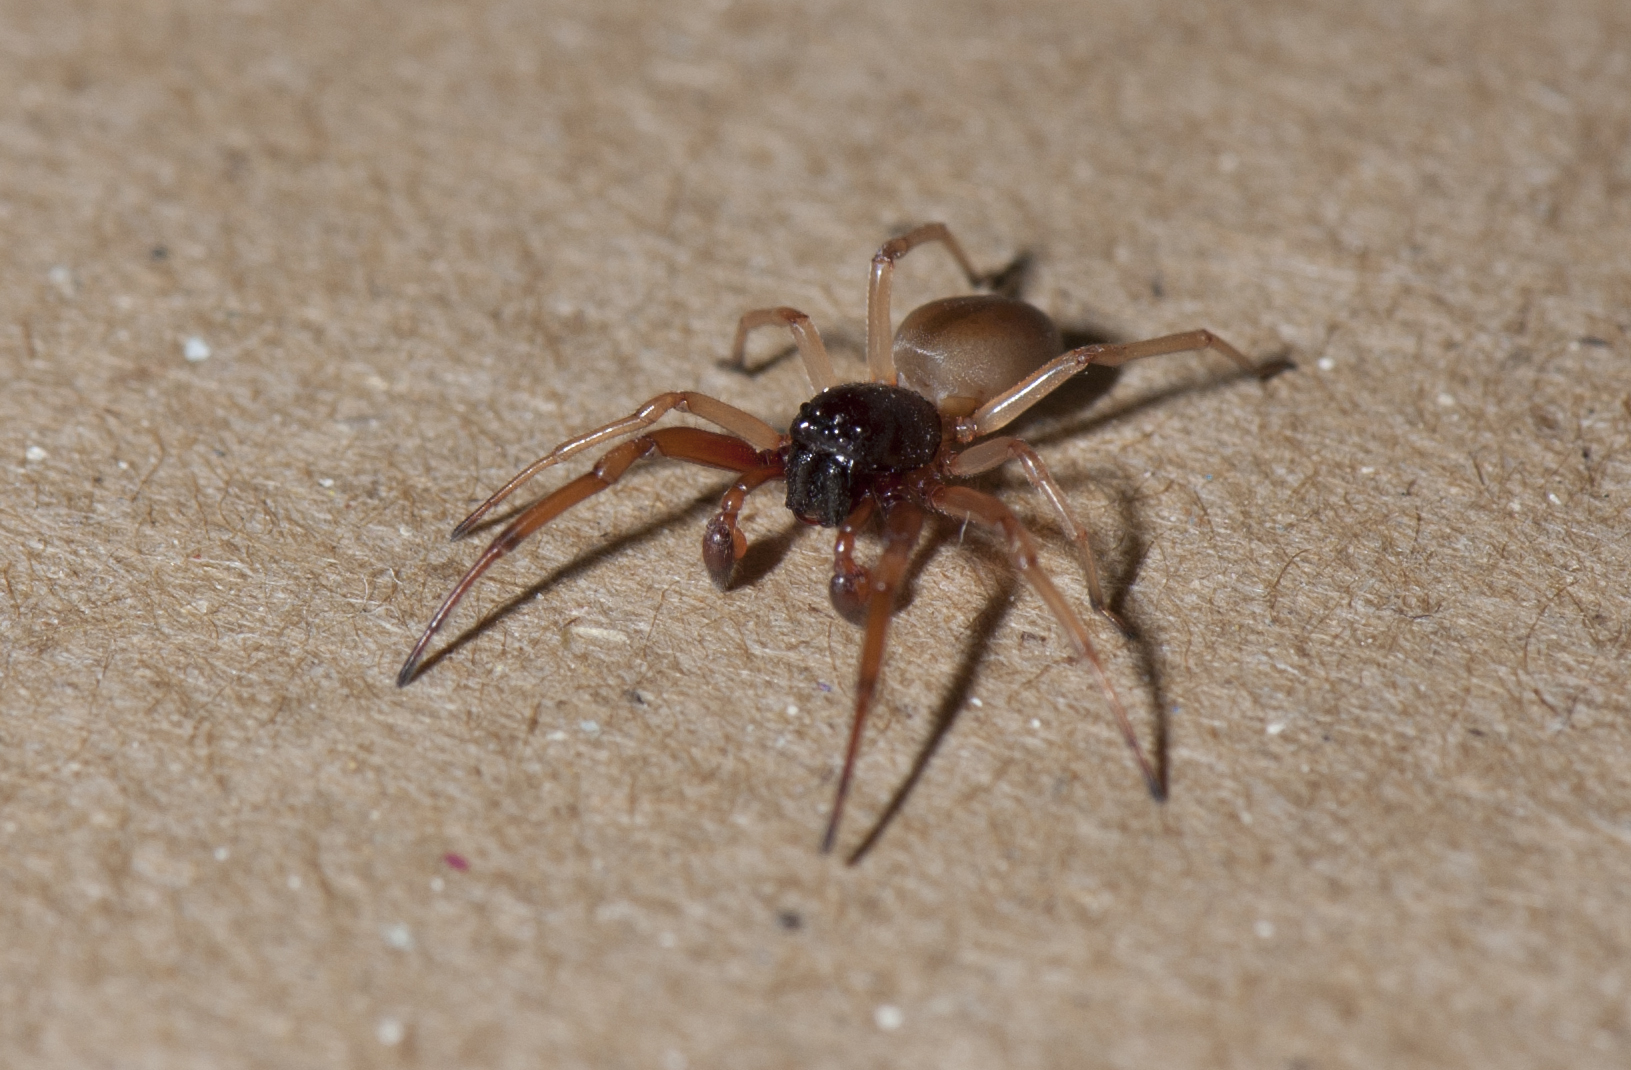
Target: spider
{"points": [[888, 449]]}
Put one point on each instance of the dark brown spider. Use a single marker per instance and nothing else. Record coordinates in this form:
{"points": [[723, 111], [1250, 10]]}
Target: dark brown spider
{"points": [[958, 369]]}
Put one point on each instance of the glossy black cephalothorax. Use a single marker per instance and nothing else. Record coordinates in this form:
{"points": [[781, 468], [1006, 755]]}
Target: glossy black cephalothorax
{"points": [[846, 436]]}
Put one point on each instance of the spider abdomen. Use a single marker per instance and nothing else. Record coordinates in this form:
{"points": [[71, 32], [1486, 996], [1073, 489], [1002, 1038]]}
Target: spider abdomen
{"points": [[848, 435]]}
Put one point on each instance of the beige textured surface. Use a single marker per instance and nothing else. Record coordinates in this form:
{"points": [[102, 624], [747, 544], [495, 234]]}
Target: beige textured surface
{"points": [[1383, 598]]}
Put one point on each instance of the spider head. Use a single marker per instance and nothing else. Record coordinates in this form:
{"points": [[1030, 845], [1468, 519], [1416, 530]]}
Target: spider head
{"points": [[845, 437]]}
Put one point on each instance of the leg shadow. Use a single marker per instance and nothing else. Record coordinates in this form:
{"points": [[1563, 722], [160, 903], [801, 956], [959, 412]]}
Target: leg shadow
{"points": [[1119, 577], [985, 626], [695, 510], [764, 555]]}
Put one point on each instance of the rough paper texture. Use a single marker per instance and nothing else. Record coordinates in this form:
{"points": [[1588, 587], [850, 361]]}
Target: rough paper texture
{"points": [[285, 289]]}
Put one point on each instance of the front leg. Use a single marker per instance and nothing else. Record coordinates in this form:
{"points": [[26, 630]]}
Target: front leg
{"points": [[901, 528], [744, 425], [850, 584], [723, 543]]}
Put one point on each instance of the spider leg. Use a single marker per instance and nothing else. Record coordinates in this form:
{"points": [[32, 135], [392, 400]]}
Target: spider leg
{"points": [[968, 504], [850, 581], [901, 526], [1005, 407], [682, 443], [723, 543], [880, 333], [741, 424], [816, 362], [997, 451]]}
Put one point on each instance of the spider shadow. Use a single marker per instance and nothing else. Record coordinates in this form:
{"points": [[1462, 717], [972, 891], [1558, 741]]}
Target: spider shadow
{"points": [[952, 703], [983, 630], [762, 557], [1048, 422]]}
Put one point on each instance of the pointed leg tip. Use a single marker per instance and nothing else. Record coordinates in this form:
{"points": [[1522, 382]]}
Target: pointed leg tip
{"points": [[1270, 368], [1117, 620], [409, 668]]}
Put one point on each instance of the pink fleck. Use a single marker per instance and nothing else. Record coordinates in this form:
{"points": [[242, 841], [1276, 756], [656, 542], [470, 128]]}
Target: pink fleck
{"points": [[456, 861]]}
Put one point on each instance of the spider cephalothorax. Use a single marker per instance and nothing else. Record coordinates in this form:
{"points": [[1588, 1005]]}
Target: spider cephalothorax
{"points": [[846, 436], [872, 452]]}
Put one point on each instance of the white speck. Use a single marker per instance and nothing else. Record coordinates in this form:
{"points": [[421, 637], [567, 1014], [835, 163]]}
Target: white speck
{"points": [[62, 277], [404, 531], [792, 710], [1325, 364], [1515, 505], [398, 936], [1446, 400], [1228, 163], [555, 736], [222, 854], [888, 1016], [325, 482], [1367, 471], [437, 884], [373, 815], [390, 1031], [1036, 722], [1264, 928], [35, 454], [195, 349], [605, 635], [294, 882], [589, 727], [667, 939], [1554, 499], [124, 466], [1274, 728], [976, 703]]}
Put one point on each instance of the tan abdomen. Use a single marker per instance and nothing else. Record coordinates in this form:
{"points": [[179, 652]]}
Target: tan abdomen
{"points": [[961, 352]]}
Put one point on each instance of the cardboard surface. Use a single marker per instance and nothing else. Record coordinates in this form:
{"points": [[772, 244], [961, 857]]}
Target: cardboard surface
{"points": [[1381, 599]]}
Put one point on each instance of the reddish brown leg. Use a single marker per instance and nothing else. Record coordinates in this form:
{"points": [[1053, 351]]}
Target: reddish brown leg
{"points": [[682, 443], [997, 451], [968, 504], [850, 587], [723, 543], [901, 526], [741, 424]]}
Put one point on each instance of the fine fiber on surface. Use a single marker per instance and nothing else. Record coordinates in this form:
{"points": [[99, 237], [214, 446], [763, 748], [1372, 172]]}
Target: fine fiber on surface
{"points": [[287, 288]]}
